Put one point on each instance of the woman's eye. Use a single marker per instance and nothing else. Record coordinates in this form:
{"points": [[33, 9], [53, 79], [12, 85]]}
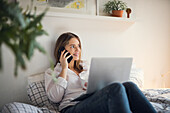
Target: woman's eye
{"points": [[72, 46]]}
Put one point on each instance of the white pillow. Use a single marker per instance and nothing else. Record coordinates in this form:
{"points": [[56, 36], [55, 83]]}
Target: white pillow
{"points": [[36, 77], [137, 76]]}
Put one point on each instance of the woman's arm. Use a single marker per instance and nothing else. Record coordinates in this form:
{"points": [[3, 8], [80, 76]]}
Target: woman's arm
{"points": [[63, 73], [55, 90]]}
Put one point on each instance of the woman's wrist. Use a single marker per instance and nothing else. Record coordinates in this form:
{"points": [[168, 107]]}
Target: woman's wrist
{"points": [[64, 68], [63, 73]]}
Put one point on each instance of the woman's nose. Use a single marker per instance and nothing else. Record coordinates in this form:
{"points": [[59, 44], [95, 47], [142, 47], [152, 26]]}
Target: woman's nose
{"points": [[77, 49]]}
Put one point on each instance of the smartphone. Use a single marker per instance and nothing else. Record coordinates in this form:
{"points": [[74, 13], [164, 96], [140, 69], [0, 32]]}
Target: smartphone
{"points": [[62, 49]]}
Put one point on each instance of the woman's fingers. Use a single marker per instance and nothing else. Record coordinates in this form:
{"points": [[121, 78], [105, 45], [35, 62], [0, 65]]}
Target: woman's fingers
{"points": [[62, 53], [62, 57], [68, 56], [85, 84], [65, 53]]}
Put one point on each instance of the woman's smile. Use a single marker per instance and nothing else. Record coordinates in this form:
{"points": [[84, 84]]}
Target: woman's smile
{"points": [[76, 54]]}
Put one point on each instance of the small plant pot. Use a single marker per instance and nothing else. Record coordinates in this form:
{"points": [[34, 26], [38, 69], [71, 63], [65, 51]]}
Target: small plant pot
{"points": [[117, 13]]}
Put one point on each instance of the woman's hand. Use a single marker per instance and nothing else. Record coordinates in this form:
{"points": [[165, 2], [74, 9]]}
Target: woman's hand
{"points": [[85, 86], [63, 59], [64, 64]]}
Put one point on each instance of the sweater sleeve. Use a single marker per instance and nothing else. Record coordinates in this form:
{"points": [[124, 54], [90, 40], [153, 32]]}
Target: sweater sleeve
{"points": [[54, 90]]}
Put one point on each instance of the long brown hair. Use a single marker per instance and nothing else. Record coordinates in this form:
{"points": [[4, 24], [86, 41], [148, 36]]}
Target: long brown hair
{"points": [[62, 41]]}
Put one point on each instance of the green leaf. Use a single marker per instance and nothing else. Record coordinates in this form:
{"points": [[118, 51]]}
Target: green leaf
{"points": [[36, 21], [16, 68], [38, 46], [30, 49], [0, 57], [19, 57]]}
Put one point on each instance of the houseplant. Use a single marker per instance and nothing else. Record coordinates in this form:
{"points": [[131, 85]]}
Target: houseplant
{"points": [[115, 7], [19, 30]]}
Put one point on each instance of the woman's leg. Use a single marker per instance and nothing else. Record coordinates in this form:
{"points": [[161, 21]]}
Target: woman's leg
{"points": [[111, 99], [138, 102]]}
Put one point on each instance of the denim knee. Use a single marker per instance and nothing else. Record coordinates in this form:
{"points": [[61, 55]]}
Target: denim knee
{"points": [[130, 84], [116, 88]]}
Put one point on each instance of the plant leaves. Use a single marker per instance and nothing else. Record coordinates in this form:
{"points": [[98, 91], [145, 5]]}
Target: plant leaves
{"points": [[114, 5], [41, 49], [0, 57], [19, 30]]}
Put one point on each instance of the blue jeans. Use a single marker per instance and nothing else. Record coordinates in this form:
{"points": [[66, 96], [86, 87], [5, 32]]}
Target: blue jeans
{"points": [[114, 98]]}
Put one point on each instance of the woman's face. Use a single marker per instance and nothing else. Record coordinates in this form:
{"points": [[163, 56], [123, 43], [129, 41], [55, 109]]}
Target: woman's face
{"points": [[74, 48]]}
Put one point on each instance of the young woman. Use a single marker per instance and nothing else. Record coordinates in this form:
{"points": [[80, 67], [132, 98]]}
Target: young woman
{"points": [[114, 98]]}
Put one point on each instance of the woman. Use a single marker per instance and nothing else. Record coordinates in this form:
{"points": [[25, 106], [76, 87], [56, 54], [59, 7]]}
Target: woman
{"points": [[114, 98]]}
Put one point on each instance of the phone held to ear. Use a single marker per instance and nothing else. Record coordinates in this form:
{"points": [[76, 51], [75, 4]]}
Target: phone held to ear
{"points": [[62, 49]]}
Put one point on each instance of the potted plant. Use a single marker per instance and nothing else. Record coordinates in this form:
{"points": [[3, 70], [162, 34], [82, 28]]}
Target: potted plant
{"points": [[19, 30], [115, 7]]}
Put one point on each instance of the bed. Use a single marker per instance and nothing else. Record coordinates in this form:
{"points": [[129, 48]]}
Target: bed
{"points": [[39, 102]]}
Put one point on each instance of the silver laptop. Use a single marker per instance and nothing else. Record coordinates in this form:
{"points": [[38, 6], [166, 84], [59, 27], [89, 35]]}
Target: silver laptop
{"points": [[104, 71]]}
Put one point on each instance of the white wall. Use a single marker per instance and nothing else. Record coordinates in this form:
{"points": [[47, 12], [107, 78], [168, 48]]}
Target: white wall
{"points": [[147, 41]]}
